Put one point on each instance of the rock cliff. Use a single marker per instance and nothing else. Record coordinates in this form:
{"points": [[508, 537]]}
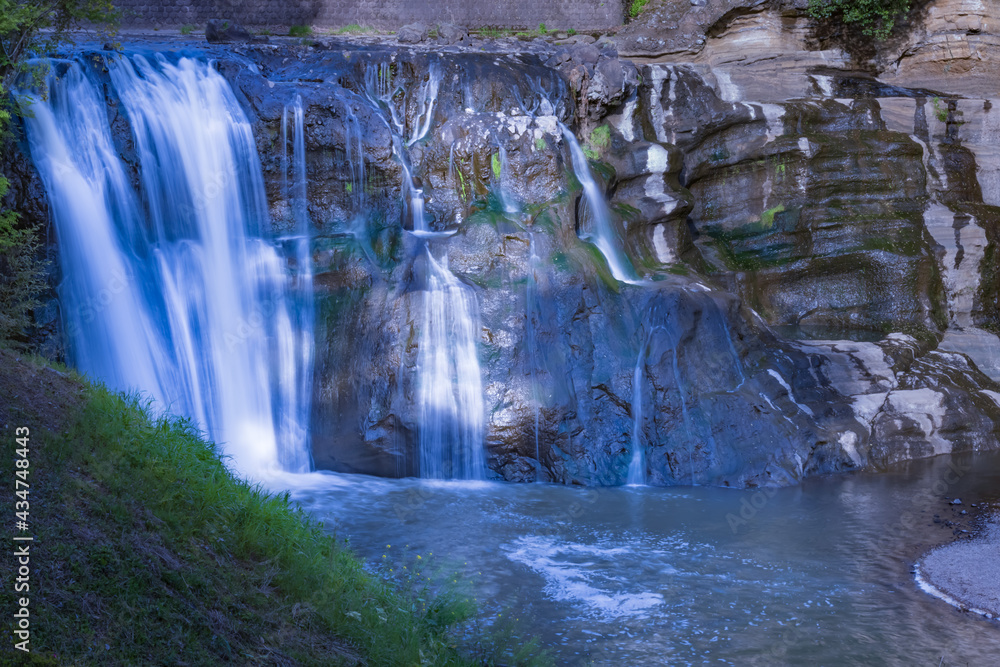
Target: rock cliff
{"points": [[813, 238]]}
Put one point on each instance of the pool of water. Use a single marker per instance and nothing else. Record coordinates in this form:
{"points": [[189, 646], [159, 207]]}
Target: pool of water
{"points": [[818, 574]]}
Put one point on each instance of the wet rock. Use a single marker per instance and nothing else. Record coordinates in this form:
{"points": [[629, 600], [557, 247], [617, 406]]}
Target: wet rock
{"points": [[586, 54], [782, 244], [956, 501]]}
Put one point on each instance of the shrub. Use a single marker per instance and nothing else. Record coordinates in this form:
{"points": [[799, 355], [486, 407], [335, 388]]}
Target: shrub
{"points": [[876, 18], [31, 27]]}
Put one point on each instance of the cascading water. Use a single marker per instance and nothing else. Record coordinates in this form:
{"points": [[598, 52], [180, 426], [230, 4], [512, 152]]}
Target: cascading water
{"points": [[637, 464], [603, 235], [182, 298], [298, 351], [531, 302], [501, 168], [427, 94], [452, 414]]}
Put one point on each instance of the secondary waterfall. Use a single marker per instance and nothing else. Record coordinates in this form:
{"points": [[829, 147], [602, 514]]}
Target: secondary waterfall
{"points": [[295, 388], [452, 414], [637, 465], [450, 391], [603, 235], [450, 406], [174, 288]]}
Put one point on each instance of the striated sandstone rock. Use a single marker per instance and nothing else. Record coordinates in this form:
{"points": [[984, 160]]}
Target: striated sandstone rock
{"points": [[954, 48]]}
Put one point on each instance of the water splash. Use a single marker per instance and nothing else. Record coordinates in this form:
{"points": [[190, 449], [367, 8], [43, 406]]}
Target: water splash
{"points": [[195, 306]]}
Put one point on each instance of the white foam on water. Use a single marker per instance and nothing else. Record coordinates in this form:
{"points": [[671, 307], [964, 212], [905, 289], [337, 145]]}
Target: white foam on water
{"points": [[571, 572]]}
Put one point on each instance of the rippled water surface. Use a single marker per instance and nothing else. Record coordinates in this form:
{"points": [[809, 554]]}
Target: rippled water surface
{"points": [[817, 574]]}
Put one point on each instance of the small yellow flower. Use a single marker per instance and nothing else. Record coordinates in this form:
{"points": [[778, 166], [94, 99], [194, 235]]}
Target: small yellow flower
{"points": [[419, 557]]}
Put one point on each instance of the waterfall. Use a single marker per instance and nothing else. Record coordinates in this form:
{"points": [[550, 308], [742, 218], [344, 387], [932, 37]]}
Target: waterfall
{"points": [[450, 390], [603, 235], [452, 413], [450, 406], [532, 306], [427, 94], [295, 388], [500, 170], [637, 466], [182, 296]]}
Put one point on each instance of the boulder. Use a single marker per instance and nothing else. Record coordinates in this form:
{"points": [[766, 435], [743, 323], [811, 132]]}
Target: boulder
{"points": [[224, 31], [413, 33], [452, 34]]}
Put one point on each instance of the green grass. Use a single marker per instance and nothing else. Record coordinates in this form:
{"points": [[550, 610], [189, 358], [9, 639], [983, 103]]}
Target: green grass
{"points": [[540, 31], [151, 552], [636, 7], [187, 29], [490, 32], [299, 31], [354, 29]]}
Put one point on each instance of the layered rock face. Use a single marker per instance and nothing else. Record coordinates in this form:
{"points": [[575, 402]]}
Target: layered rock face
{"points": [[808, 251]]}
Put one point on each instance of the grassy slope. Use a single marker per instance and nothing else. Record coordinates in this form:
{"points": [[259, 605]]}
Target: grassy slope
{"points": [[147, 551]]}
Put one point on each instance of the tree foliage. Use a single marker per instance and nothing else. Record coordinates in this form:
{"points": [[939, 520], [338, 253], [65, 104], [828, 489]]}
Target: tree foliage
{"points": [[22, 23], [876, 18], [27, 27]]}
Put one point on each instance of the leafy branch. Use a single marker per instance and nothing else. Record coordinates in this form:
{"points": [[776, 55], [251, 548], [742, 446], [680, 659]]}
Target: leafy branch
{"points": [[26, 27], [876, 18]]}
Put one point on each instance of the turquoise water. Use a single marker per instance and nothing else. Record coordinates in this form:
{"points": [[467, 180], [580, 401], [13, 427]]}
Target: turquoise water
{"points": [[818, 574]]}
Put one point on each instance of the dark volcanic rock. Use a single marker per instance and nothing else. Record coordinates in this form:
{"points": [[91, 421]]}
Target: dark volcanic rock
{"points": [[224, 31]]}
